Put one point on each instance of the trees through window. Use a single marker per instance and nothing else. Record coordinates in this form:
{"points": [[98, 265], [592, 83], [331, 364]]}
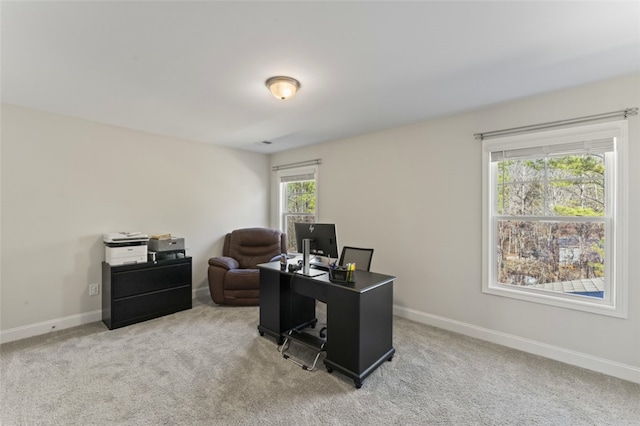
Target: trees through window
{"points": [[554, 217], [551, 224], [297, 201]]}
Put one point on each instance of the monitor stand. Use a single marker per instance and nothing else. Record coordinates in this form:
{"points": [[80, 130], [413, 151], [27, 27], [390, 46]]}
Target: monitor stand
{"points": [[306, 264], [311, 273]]}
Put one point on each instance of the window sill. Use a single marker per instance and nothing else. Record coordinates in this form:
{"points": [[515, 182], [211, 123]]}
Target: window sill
{"points": [[568, 301]]}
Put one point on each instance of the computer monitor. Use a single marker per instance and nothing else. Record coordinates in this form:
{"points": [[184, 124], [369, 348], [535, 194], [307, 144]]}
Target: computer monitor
{"points": [[322, 236]]}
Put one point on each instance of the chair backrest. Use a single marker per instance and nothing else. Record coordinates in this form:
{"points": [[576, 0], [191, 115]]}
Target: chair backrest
{"points": [[251, 246], [360, 256]]}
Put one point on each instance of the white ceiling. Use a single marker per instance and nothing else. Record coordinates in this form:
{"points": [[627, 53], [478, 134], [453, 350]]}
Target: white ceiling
{"points": [[196, 70]]}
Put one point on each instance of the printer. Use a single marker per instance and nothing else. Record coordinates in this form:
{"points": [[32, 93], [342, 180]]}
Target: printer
{"points": [[125, 247]]}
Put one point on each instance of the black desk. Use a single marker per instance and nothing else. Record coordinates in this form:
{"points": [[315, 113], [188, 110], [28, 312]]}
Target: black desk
{"points": [[359, 315]]}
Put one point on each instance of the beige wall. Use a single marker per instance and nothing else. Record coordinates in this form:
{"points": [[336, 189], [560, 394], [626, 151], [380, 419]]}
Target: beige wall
{"points": [[414, 194], [67, 181]]}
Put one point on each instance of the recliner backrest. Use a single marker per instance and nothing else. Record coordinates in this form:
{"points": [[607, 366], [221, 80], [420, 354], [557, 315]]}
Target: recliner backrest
{"points": [[251, 246]]}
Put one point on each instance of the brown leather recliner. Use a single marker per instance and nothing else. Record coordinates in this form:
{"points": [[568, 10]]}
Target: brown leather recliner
{"points": [[233, 277]]}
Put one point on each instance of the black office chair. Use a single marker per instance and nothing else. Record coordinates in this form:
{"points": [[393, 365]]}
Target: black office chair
{"points": [[361, 257]]}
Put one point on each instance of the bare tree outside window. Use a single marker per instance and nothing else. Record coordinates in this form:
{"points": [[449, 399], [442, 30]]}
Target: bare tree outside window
{"points": [[555, 217], [549, 220], [299, 199]]}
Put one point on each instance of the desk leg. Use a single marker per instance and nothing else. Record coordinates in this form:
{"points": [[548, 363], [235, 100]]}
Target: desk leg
{"points": [[359, 331], [280, 309]]}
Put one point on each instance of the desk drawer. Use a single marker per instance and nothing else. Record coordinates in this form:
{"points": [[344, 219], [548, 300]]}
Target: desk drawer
{"points": [[130, 283], [310, 287], [139, 308]]}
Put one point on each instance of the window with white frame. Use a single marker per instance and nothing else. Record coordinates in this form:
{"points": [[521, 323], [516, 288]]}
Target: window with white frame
{"points": [[297, 200], [555, 217]]}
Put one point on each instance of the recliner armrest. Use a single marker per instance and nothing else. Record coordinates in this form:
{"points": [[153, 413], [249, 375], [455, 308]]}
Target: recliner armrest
{"points": [[224, 262]]}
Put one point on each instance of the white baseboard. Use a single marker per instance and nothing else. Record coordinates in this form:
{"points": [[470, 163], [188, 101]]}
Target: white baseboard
{"points": [[37, 329], [201, 291], [601, 365], [49, 326]]}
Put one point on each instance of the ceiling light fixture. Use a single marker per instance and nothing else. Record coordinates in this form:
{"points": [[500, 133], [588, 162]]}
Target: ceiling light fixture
{"points": [[283, 87]]}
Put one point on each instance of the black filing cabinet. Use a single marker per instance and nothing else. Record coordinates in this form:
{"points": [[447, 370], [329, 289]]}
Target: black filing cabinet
{"points": [[142, 291]]}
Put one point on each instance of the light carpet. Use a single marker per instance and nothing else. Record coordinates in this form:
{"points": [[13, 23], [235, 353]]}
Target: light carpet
{"points": [[209, 366]]}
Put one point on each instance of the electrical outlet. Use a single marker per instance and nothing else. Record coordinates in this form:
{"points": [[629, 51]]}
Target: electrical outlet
{"points": [[94, 289]]}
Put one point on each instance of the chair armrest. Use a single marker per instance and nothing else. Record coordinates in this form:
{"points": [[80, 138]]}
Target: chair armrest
{"points": [[224, 262]]}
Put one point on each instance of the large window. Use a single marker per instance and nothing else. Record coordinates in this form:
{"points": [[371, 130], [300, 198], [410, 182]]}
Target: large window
{"points": [[297, 190], [554, 217]]}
